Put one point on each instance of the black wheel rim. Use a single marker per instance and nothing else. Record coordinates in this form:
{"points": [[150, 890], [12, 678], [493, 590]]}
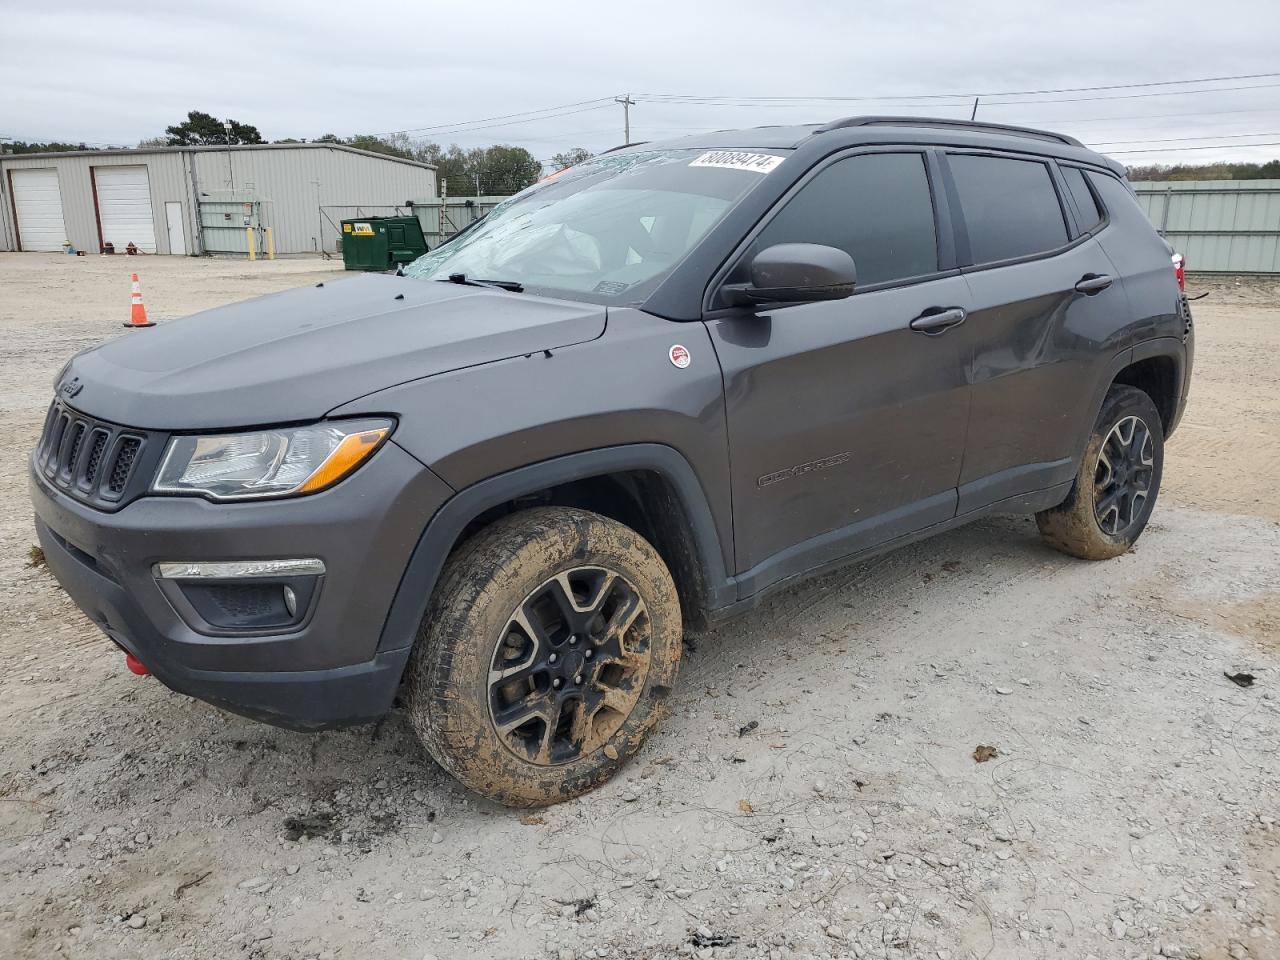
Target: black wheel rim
{"points": [[569, 666], [1123, 475]]}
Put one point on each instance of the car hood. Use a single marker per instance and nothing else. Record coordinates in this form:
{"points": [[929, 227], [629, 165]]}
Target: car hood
{"points": [[296, 355]]}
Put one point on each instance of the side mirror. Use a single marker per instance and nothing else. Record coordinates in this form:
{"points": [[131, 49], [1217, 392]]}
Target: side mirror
{"points": [[795, 273]]}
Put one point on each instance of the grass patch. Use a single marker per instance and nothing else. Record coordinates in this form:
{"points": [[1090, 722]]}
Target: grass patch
{"points": [[35, 557]]}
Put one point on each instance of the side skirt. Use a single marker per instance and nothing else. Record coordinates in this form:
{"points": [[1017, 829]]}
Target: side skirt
{"points": [[1017, 505]]}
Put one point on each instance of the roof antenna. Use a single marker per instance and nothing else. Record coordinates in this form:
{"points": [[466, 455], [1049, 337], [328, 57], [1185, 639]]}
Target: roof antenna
{"points": [[974, 115]]}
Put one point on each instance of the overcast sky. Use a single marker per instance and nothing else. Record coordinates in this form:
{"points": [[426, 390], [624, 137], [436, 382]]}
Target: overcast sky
{"points": [[118, 72]]}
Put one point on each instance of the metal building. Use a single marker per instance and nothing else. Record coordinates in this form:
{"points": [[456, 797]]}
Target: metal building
{"points": [[195, 200]]}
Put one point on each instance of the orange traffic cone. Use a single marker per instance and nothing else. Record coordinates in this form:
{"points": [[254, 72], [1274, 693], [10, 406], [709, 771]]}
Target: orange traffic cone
{"points": [[138, 312]]}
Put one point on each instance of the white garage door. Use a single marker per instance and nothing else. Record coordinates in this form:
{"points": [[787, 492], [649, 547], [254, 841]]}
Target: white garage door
{"points": [[39, 207], [124, 207]]}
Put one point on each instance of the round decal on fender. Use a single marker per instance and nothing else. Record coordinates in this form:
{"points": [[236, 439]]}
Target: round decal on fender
{"points": [[680, 356]]}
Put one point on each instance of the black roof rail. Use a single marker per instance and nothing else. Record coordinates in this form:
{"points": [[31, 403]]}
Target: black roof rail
{"points": [[974, 125]]}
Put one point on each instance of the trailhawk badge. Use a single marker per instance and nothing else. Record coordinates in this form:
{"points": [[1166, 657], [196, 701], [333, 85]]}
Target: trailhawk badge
{"points": [[680, 356]]}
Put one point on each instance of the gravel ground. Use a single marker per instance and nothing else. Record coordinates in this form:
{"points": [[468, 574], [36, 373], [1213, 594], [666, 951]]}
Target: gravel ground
{"points": [[816, 791]]}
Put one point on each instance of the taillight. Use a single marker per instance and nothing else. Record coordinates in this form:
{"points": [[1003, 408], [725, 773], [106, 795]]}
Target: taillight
{"points": [[1180, 271]]}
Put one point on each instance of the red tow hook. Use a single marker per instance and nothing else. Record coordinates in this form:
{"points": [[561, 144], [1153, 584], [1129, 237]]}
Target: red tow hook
{"points": [[136, 666]]}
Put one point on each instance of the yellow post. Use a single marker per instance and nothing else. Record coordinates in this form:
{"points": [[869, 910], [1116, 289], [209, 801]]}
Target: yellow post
{"points": [[271, 245], [248, 235]]}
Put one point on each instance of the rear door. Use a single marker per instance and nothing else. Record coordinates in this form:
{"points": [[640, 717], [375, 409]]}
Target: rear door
{"points": [[846, 426], [1033, 341]]}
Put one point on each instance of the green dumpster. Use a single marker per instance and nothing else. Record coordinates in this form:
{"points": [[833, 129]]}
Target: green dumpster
{"points": [[379, 243]]}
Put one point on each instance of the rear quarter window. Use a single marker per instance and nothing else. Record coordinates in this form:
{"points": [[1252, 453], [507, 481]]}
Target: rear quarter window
{"points": [[1086, 205], [1115, 194], [1010, 207]]}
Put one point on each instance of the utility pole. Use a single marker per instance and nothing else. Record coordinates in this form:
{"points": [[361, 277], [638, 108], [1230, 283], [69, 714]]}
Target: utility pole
{"points": [[444, 202], [230, 172], [627, 104]]}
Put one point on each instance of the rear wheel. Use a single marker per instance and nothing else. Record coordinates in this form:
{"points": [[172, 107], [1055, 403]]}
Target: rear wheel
{"points": [[1116, 487], [545, 656]]}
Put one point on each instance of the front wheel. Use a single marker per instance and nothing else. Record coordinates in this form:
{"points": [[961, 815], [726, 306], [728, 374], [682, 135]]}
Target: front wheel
{"points": [[550, 644], [1116, 487]]}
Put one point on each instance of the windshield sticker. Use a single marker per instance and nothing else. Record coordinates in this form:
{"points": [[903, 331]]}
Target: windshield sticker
{"points": [[736, 160]]}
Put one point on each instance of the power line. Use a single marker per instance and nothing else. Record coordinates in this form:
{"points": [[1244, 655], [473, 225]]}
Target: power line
{"points": [[1155, 116], [960, 101], [1131, 86], [1131, 96], [509, 123], [446, 127], [1212, 136], [1209, 146], [966, 96]]}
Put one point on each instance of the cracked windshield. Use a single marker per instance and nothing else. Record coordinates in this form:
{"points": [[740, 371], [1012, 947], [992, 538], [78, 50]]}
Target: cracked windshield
{"points": [[607, 230]]}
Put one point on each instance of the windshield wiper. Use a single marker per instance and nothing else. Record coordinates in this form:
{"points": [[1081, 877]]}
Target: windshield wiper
{"points": [[512, 285]]}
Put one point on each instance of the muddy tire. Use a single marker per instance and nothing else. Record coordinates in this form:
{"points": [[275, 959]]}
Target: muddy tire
{"points": [[1116, 487], [545, 656]]}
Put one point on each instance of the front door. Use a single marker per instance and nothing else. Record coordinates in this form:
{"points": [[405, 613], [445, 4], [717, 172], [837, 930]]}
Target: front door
{"points": [[846, 425]]}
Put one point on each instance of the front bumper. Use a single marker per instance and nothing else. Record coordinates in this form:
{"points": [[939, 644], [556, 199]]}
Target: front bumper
{"points": [[330, 671]]}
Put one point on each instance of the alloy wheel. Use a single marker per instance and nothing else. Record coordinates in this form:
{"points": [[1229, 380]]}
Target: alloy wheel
{"points": [[1122, 477], [569, 666]]}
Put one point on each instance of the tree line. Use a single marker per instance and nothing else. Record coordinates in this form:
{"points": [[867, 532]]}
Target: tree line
{"points": [[1207, 171], [497, 170]]}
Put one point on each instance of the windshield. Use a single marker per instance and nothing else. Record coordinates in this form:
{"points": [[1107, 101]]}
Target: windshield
{"points": [[607, 230]]}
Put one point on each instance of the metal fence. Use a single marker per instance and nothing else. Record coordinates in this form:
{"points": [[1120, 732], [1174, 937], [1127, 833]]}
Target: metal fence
{"points": [[440, 224], [1220, 226]]}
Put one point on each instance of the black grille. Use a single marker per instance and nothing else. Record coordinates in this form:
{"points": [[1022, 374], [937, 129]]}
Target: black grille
{"points": [[68, 463], [240, 602], [99, 447], [125, 457], [53, 443], [92, 460]]}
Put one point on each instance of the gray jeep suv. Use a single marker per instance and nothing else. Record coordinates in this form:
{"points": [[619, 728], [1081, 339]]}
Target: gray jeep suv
{"points": [[642, 393]]}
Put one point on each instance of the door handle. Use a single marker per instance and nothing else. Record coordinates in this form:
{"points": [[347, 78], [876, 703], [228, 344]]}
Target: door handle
{"points": [[1092, 283], [938, 320]]}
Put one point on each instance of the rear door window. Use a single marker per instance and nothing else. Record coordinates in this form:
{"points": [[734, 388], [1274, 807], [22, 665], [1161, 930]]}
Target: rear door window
{"points": [[876, 206], [1010, 207], [1086, 205]]}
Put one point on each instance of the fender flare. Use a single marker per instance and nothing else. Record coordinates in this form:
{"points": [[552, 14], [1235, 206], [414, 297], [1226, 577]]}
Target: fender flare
{"points": [[1170, 347], [445, 527], [1176, 350]]}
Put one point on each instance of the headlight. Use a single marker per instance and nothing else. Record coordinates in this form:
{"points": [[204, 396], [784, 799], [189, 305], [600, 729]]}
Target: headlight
{"points": [[269, 463]]}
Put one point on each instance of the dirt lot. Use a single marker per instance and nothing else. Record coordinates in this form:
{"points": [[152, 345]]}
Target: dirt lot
{"points": [[813, 794]]}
